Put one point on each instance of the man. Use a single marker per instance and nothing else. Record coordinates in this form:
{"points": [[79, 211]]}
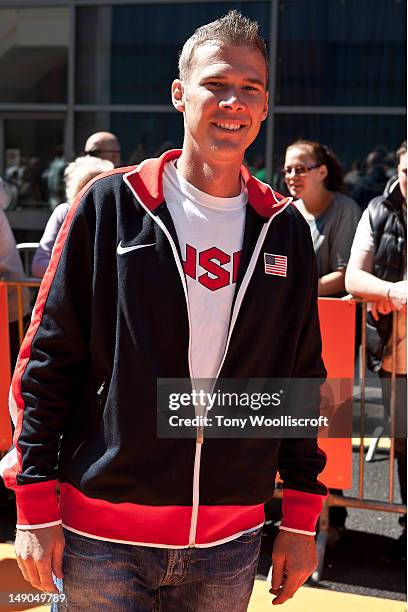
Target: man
{"points": [[104, 145], [373, 182], [377, 271], [146, 284]]}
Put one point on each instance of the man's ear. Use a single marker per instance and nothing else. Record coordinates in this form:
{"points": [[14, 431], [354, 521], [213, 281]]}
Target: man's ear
{"points": [[177, 95]]}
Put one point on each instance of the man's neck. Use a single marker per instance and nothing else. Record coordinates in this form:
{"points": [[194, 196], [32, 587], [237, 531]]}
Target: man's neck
{"points": [[219, 180]]}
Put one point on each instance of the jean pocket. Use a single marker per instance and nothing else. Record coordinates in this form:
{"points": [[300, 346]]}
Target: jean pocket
{"points": [[249, 536], [77, 545]]}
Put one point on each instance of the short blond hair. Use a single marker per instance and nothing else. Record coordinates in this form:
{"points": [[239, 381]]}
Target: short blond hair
{"points": [[232, 29], [79, 172]]}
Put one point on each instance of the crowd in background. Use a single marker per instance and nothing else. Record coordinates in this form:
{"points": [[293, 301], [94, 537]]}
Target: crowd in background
{"points": [[363, 180], [35, 182]]}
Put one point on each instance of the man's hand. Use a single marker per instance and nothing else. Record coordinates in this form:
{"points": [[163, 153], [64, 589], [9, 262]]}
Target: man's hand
{"points": [[39, 552], [294, 559]]}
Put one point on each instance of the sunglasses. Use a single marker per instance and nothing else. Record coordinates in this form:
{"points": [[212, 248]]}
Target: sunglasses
{"points": [[98, 153], [299, 170]]}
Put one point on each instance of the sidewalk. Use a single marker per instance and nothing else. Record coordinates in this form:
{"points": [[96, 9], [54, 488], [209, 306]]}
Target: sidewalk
{"points": [[306, 600], [320, 600]]}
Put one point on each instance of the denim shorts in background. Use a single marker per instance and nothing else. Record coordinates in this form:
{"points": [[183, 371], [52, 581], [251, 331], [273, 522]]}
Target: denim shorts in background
{"points": [[101, 576]]}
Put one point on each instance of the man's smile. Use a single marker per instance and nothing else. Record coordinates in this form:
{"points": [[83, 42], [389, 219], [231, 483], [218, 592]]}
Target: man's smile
{"points": [[230, 126]]}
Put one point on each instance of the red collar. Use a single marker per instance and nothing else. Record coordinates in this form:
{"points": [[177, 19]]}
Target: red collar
{"points": [[147, 180]]}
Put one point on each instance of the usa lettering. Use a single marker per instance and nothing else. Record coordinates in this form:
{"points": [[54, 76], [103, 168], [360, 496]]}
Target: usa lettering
{"points": [[211, 260]]}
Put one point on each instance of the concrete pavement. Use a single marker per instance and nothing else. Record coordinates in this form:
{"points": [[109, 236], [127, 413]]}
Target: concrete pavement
{"points": [[306, 599]]}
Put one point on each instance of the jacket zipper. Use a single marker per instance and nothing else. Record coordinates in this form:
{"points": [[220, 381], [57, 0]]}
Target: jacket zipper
{"points": [[101, 388], [200, 430], [99, 394], [196, 488], [240, 297]]}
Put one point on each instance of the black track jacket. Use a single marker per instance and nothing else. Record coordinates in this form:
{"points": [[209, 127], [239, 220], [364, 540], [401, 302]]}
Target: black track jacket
{"points": [[107, 324]]}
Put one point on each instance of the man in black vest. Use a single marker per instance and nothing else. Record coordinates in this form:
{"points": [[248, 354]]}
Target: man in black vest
{"points": [[377, 272]]}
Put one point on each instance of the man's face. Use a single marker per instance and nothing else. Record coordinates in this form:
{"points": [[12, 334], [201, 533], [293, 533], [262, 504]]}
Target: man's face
{"points": [[110, 150], [224, 100], [402, 175], [105, 146]]}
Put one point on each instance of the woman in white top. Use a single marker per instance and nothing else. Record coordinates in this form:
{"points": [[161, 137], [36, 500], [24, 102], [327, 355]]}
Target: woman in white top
{"points": [[77, 174], [314, 178]]}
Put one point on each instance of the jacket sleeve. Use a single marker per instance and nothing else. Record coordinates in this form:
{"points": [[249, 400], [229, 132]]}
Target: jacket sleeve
{"points": [[300, 459], [50, 367]]}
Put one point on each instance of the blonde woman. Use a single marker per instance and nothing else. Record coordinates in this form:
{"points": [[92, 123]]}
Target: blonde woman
{"points": [[77, 174]]}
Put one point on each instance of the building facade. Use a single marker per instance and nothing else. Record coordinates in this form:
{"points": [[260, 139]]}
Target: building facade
{"points": [[72, 67]]}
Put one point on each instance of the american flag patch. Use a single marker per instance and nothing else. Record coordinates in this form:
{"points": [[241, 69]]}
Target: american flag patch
{"points": [[276, 264]]}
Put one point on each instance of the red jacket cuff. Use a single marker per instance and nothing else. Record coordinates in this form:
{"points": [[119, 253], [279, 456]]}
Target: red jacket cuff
{"points": [[37, 504], [301, 510]]}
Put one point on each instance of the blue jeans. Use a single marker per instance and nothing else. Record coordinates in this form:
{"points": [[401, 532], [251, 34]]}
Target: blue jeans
{"points": [[101, 576]]}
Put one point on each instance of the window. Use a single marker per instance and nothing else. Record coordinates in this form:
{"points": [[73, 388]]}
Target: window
{"points": [[32, 147], [341, 52], [351, 136], [129, 54], [33, 55], [144, 135], [140, 134]]}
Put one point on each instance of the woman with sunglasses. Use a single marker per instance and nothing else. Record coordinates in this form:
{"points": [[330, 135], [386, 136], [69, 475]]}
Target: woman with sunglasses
{"points": [[314, 178]]}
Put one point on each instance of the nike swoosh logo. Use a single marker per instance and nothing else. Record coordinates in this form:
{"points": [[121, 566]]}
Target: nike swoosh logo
{"points": [[122, 250]]}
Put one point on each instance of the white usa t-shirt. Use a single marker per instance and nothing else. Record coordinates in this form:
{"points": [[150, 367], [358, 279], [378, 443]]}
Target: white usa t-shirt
{"points": [[210, 233]]}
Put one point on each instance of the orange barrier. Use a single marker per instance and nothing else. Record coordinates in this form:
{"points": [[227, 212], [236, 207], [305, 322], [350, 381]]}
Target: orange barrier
{"points": [[5, 367], [5, 426], [337, 325]]}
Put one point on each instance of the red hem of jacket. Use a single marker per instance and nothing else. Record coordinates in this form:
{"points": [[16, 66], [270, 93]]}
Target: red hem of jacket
{"points": [[156, 525]]}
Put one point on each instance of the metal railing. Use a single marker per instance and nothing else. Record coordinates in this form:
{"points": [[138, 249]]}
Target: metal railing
{"points": [[26, 251], [30, 283], [361, 502]]}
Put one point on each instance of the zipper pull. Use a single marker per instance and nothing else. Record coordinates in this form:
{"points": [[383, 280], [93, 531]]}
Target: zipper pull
{"points": [[101, 388], [200, 435]]}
